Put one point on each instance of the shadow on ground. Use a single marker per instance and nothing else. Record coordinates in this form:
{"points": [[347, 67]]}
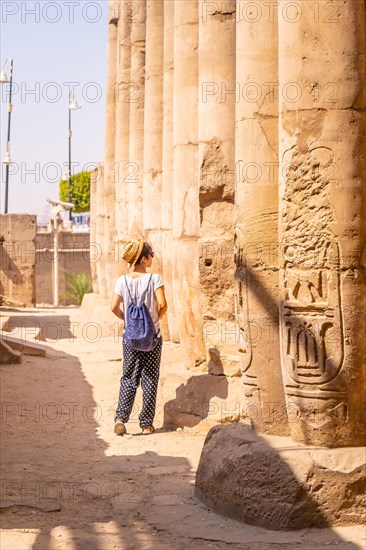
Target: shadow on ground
{"points": [[61, 489], [57, 480]]}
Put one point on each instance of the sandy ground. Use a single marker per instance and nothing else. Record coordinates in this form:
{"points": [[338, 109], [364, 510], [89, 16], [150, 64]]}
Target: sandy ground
{"points": [[68, 482]]}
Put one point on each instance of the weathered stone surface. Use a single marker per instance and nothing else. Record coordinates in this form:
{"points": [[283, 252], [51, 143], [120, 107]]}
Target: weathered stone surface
{"points": [[26, 347], [256, 221], [273, 482], [216, 162], [17, 259], [4, 322], [100, 209], [73, 256], [46, 505], [108, 187], [94, 176], [133, 180], [249, 134], [322, 226], [192, 399], [153, 118], [220, 123], [223, 365], [8, 355], [96, 319], [124, 90], [167, 169]]}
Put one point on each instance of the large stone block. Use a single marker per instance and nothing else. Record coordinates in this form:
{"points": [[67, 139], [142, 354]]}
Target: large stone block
{"points": [[8, 355], [192, 399], [274, 482], [96, 320], [17, 259]]}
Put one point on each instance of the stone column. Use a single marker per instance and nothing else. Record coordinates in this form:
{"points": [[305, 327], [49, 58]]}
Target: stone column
{"points": [[99, 232], [109, 177], [93, 229], [18, 233], [105, 188], [153, 132], [216, 161], [322, 220], [134, 176], [153, 120], [122, 107], [256, 223], [168, 90], [167, 167], [186, 225]]}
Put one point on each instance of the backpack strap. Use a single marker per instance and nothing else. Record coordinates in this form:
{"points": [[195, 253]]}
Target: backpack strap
{"points": [[144, 295], [128, 289], [147, 288]]}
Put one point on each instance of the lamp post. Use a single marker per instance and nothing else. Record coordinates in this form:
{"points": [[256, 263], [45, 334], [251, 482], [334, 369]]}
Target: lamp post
{"points": [[73, 106], [58, 207], [7, 161]]}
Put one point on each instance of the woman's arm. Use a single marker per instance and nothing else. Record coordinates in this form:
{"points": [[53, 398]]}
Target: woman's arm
{"points": [[162, 305], [116, 306]]}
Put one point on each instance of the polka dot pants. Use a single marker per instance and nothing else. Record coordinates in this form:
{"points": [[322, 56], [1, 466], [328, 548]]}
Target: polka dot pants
{"points": [[144, 366]]}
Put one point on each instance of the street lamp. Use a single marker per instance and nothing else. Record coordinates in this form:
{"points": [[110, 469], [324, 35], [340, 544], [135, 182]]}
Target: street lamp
{"points": [[58, 207], [73, 106], [7, 161]]}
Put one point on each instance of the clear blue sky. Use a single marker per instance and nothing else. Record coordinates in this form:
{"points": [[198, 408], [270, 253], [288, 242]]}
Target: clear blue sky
{"points": [[52, 43]]}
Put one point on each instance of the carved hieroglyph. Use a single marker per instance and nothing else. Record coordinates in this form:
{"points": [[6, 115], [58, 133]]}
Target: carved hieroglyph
{"points": [[322, 229], [312, 335], [216, 161], [311, 309], [275, 95], [256, 221]]}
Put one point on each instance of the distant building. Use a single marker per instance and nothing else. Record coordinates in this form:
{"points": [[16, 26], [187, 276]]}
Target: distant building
{"points": [[81, 222]]}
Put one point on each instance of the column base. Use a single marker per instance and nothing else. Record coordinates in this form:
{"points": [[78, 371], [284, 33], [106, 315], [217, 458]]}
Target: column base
{"points": [[279, 484]]}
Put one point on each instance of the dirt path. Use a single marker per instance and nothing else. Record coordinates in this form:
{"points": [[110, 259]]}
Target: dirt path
{"points": [[69, 483]]}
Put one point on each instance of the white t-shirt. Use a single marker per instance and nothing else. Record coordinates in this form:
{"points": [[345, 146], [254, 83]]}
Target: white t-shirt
{"points": [[137, 287]]}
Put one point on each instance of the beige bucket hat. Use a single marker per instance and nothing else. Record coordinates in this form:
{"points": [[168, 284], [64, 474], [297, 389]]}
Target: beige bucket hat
{"points": [[132, 250]]}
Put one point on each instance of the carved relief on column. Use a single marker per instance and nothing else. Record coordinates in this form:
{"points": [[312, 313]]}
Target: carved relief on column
{"points": [[322, 229], [134, 177], [216, 161], [256, 220], [312, 311], [186, 287]]}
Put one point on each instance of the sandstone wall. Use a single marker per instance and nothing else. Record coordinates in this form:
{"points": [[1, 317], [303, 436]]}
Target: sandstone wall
{"points": [[17, 259], [74, 256], [322, 223], [235, 136]]}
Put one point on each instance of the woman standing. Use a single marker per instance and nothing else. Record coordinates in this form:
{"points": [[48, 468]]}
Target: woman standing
{"points": [[139, 365]]}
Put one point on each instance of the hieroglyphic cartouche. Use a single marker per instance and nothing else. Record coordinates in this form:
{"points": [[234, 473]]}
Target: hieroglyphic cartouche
{"points": [[311, 307]]}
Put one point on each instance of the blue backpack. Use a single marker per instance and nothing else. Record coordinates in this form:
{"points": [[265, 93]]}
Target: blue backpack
{"points": [[140, 330]]}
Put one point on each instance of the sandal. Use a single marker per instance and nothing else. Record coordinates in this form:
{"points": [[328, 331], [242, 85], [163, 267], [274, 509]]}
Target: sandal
{"points": [[149, 430], [119, 427]]}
